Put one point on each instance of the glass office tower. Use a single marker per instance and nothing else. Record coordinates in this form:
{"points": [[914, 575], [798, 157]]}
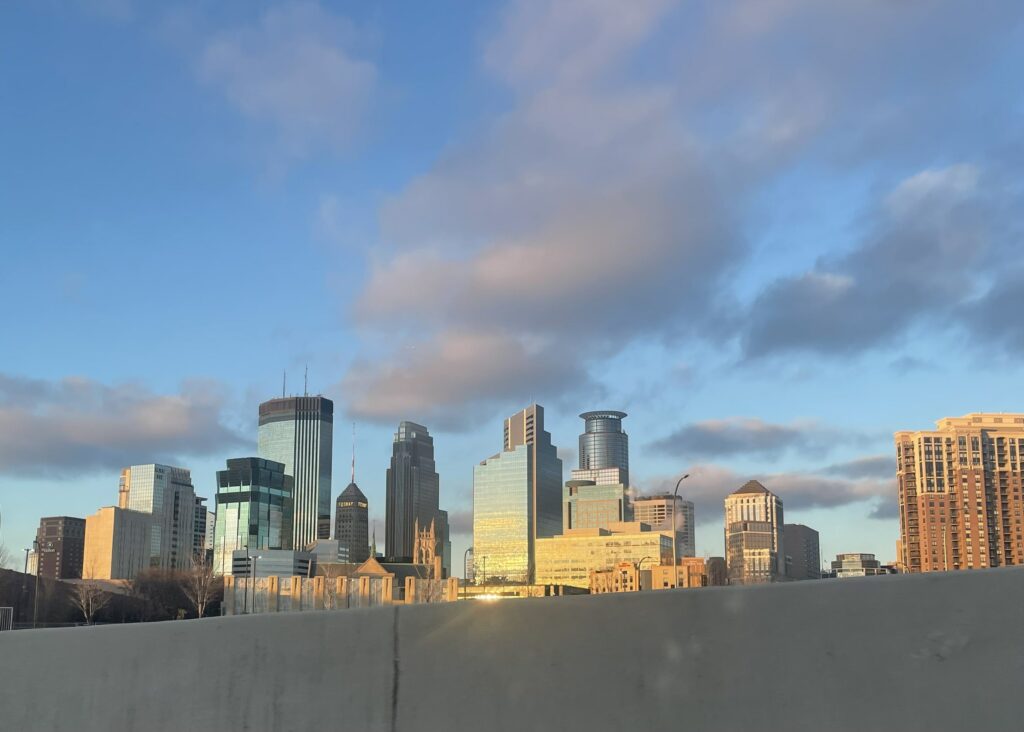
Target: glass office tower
{"points": [[254, 509], [516, 499], [412, 490], [166, 494], [589, 505], [603, 446], [298, 432]]}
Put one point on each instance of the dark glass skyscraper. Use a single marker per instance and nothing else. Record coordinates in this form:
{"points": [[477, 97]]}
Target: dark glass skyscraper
{"points": [[298, 432], [352, 525], [254, 509], [412, 490], [603, 444]]}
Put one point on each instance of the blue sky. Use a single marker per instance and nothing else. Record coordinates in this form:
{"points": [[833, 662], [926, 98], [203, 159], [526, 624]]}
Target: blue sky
{"points": [[773, 232]]}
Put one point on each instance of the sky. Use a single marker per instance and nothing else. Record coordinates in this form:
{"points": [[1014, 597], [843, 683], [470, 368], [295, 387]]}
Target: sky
{"points": [[772, 231]]}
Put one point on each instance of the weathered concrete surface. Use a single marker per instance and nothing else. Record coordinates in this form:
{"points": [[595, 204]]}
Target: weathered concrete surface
{"points": [[927, 652]]}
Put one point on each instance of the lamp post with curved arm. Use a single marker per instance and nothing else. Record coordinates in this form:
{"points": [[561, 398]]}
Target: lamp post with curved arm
{"points": [[637, 565], [465, 572], [675, 523]]}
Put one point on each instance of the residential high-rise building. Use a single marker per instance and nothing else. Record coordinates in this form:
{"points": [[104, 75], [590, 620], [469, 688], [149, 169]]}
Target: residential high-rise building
{"points": [[754, 544], [352, 525], [665, 512], [117, 544], [604, 448], [801, 544], [254, 509], [166, 494], [412, 490], [61, 547], [298, 432], [516, 500], [959, 491], [587, 505]]}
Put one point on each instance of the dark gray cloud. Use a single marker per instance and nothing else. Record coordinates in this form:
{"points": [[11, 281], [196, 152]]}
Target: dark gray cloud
{"points": [[709, 484], [886, 509], [739, 436], [461, 522], [872, 466], [77, 425], [995, 318], [929, 236]]}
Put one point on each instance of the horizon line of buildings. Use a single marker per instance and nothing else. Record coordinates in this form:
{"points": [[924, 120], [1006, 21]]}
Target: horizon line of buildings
{"points": [[959, 491]]}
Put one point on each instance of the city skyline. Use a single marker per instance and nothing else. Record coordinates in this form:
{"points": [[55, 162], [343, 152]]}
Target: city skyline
{"points": [[771, 265]]}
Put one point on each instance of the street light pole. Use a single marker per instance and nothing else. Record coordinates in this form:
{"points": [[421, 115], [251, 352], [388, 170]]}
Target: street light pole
{"points": [[675, 532], [636, 565], [258, 556], [465, 573], [24, 584], [245, 597], [35, 595]]}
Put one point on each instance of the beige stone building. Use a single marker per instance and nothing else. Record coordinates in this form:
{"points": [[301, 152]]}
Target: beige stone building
{"points": [[569, 559], [691, 572], [754, 547], [623, 577], [117, 544], [959, 492]]}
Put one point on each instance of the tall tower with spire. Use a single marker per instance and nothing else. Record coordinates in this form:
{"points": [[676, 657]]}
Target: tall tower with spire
{"points": [[352, 519]]}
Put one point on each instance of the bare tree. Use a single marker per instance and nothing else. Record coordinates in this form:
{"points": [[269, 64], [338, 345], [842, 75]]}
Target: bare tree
{"points": [[89, 597], [331, 571], [5, 557], [200, 583]]}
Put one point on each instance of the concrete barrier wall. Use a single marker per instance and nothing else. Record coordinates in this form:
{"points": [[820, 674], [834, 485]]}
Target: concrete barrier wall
{"points": [[924, 652]]}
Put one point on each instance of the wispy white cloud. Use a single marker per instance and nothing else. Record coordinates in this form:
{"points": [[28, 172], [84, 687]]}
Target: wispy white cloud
{"points": [[297, 70]]}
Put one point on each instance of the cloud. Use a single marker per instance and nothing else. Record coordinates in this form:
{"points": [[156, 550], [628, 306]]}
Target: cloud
{"points": [[709, 484], [78, 425], [469, 368], [295, 71], [579, 220], [932, 231], [872, 466], [995, 317], [460, 523], [609, 201], [741, 436]]}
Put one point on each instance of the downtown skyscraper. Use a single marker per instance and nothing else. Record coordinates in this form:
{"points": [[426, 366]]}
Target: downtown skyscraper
{"points": [[412, 490], [960, 493], [604, 448], [352, 519], [254, 509], [754, 544], [166, 494], [517, 499], [298, 432]]}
